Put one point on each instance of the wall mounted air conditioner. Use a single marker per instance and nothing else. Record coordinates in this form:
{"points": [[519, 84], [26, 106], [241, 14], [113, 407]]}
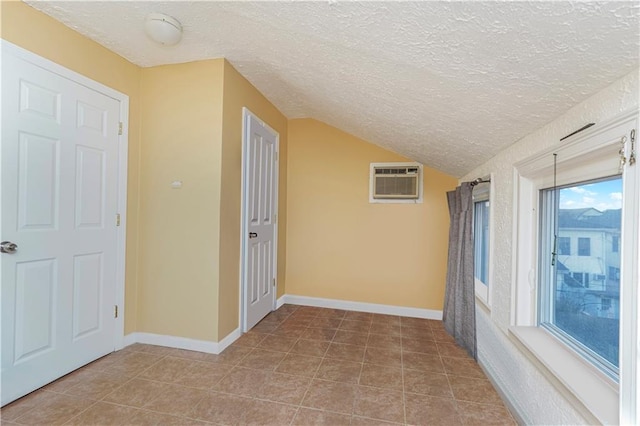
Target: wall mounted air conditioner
{"points": [[395, 182]]}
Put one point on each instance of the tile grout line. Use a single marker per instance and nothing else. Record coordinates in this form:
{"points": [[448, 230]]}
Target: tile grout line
{"points": [[304, 395], [271, 372], [404, 393], [364, 355], [281, 361], [95, 402]]}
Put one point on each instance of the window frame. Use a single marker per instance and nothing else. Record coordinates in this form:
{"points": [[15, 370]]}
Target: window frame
{"points": [[544, 313], [587, 155], [483, 290]]}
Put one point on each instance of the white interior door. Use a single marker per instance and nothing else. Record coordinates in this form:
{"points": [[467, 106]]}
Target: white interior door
{"points": [[59, 200], [260, 216]]}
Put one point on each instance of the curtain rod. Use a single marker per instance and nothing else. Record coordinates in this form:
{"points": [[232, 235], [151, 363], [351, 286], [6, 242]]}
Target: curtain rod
{"points": [[479, 181]]}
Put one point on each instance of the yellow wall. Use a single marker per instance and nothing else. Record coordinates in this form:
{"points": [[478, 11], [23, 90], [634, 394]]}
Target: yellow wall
{"points": [[183, 245], [179, 228], [189, 284], [340, 246], [238, 93], [38, 33]]}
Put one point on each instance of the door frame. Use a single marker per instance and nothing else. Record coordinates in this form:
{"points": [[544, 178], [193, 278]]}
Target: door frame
{"points": [[246, 114], [123, 146]]}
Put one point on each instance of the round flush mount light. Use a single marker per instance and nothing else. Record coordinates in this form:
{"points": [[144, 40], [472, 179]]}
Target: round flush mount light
{"points": [[163, 29]]}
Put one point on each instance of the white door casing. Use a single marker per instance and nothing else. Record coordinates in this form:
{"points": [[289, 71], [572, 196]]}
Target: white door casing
{"points": [[259, 219], [62, 187]]}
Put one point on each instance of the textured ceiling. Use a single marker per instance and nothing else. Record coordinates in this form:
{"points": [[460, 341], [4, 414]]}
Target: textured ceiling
{"points": [[448, 84]]}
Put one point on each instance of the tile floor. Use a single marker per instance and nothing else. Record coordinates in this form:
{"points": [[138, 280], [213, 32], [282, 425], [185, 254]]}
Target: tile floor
{"points": [[299, 366]]}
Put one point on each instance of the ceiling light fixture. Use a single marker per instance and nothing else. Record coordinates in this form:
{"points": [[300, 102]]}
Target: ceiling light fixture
{"points": [[163, 29]]}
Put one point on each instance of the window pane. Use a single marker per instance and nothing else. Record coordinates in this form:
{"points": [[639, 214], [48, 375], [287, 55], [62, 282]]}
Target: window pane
{"points": [[585, 293], [481, 241], [584, 246]]}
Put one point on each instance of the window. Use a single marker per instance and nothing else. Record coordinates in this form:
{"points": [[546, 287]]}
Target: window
{"points": [[614, 273], [481, 240], [591, 157], [564, 245], [584, 246], [577, 276], [481, 237], [395, 183], [571, 303], [615, 244]]}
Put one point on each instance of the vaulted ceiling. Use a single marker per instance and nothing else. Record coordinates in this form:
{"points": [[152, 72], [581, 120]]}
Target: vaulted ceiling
{"points": [[448, 84]]}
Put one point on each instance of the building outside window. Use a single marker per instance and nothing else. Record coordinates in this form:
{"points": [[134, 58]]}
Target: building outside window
{"points": [[615, 244]]}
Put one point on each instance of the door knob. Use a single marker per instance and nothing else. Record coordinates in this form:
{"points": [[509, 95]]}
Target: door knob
{"points": [[253, 235], [8, 247]]}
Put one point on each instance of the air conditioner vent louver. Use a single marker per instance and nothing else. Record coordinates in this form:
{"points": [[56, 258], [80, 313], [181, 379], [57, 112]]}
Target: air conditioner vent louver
{"points": [[396, 171], [396, 183]]}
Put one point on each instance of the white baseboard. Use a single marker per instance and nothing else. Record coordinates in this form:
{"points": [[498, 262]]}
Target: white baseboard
{"points": [[129, 339], [182, 342], [229, 339], [511, 404], [360, 306], [217, 347]]}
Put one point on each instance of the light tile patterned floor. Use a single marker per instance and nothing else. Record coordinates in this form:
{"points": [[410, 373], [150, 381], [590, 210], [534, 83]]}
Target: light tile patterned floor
{"points": [[299, 366]]}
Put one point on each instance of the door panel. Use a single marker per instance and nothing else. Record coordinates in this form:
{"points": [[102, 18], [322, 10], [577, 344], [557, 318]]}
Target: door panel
{"points": [[38, 183], [92, 118], [59, 202], [87, 287], [90, 188], [260, 197], [35, 314], [39, 101]]}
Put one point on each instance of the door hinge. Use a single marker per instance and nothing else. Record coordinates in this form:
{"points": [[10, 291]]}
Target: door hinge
{"points": [[115, 311], [276, 155], [118, 219], [275, 218], [274, 282], [120, 128]]}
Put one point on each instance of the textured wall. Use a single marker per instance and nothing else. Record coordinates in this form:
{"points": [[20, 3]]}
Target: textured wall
{"points": [[339, 246], [537, 401]]}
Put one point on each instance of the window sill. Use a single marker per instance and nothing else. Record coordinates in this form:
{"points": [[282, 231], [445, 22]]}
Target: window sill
{"points": [[595, 392], [482, 302], [482, 293]]}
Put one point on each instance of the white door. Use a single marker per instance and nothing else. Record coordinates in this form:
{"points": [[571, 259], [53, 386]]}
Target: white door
{"points": [[260, 214], [59, 199]]}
